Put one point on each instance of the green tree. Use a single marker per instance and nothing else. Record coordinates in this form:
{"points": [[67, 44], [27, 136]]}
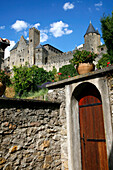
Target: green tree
{"points": [[107, 33], [22, 79], [26, 79]]}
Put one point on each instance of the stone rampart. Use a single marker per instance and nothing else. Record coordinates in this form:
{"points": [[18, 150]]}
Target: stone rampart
{"points": [[62, 57]]}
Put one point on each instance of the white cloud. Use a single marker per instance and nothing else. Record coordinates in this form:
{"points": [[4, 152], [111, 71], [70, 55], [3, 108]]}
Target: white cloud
{"points": [[98, 9], [68, 5], [43, 37], [59, 28], [7, 50], [90, 10], [25, 33], [101, 43], [19, 25], [80, 46], [2, 27], [36, 25], [45, 30], [68, 31], [99, 4]]}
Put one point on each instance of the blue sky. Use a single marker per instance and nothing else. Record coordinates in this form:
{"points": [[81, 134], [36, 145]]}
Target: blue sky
{"points": [[62, 23]]}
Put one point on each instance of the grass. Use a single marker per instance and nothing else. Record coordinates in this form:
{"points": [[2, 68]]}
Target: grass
{"points": [[10, 92], [40, 95]]}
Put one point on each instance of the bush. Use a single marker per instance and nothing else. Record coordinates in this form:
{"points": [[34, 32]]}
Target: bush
{"points": [[5, 78], [53, 74], [104, 61], [27, 79], [67, 71], [39, 76]]}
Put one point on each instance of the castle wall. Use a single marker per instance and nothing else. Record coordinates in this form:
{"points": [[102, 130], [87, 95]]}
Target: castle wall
{"points": [[41, 56], [52, 51], [59, 60]]}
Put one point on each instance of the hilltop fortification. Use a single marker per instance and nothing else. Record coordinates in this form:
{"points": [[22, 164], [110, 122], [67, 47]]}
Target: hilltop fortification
{"points": [[47, 56]]}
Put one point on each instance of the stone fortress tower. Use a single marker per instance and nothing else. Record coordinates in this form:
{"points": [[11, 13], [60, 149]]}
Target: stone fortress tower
{"points": [[47, 56], [92, 39], [34, 41]]}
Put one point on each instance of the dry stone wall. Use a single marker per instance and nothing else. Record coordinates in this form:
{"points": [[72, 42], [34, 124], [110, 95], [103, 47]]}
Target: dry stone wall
{"points": [[30, 135], [58, 95]]}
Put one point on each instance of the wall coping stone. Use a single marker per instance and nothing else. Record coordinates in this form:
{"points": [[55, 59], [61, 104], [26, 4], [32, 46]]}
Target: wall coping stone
{"points": [[90, 75], [27, 103]]}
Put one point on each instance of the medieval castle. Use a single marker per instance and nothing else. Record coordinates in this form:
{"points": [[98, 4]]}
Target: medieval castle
{"points": [[47, 56]]}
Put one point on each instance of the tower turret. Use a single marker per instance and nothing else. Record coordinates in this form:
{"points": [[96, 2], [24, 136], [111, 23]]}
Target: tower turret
{"points": [[92, 39]]}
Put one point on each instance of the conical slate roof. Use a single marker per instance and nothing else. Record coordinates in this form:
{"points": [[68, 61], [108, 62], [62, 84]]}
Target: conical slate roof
{"points": [[91, 29]]}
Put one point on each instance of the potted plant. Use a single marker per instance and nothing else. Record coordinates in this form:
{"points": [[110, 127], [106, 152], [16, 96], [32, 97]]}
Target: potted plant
{"points": [[4, 81], [83, 60]]}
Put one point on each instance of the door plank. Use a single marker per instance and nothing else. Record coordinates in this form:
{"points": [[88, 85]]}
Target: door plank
{"points": [[93, 152]]}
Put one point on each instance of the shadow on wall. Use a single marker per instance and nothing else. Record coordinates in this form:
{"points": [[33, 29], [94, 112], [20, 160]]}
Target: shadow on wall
{"points": [[110, 161]]}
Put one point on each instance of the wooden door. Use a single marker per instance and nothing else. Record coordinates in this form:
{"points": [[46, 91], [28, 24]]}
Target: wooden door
{"points": [[93, 142]]}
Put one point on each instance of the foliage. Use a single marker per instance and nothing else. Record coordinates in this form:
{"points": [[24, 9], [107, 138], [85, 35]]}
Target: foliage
{"points": [[67, 71], [27, 79], [5, 78], [107, 32], [54, 71], [35, 94], [105, 61], [83, 57], [53, 74], [39, 76]]}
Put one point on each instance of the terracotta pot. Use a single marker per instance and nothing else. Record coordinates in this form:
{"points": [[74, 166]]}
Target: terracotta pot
{"points": [[85, 68], [2, 88]]}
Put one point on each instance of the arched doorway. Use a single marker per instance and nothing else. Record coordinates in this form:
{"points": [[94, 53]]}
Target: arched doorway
{"points": [[92, 133]]}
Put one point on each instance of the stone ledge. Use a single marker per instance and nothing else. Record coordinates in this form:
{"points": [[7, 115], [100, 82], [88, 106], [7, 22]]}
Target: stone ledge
{"points": [[90, 75], [27, 103]]}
